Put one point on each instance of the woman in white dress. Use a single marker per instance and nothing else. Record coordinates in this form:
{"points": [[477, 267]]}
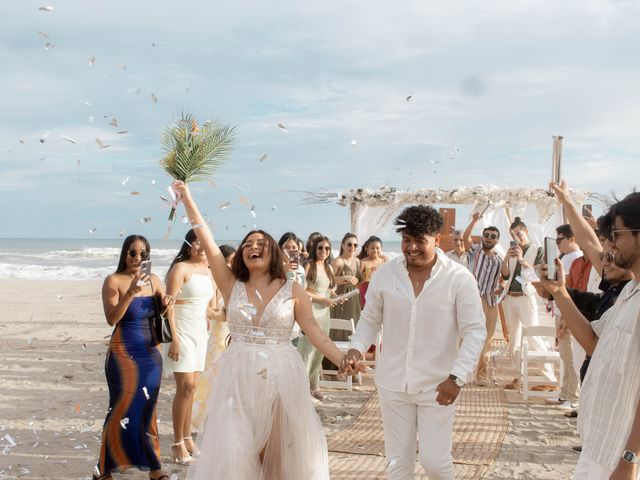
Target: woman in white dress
{"points": [[261, 424], [190, 283]]}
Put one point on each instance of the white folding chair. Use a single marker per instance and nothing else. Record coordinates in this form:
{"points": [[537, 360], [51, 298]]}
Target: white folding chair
{"points": [[532, 360], [343, 346]]}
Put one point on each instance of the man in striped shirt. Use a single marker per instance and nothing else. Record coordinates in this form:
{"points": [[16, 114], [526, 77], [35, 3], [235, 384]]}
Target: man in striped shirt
{"points": [[485, 263]]}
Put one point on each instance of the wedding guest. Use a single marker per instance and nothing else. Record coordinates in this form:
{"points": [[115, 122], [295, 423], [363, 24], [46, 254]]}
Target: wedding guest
{"points": [[290, 245], [485, 264], [520, 305], [320, 287], [371, 258], [133, 366], [189, 281], [459, 253], [609, 420], [431, 318], [347, 275], [261, 423]]}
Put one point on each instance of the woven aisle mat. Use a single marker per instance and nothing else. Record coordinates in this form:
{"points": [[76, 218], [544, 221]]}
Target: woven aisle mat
{"points": [[478, 430]]}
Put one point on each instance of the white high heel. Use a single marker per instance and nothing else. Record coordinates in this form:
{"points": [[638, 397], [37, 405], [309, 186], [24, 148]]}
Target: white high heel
{"points": [[195, 453], [188, 460]]}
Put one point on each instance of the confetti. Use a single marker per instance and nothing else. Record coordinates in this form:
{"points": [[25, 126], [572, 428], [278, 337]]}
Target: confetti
{"points": [[154, 98], [212, 183], [263, 373], [43, 34], [273, 209], [122, 132], [253, 211], [124, 422], [146, 393], [282, 127], [244, 201], [125, 181], [145, 219], [101, 145], [46, 8], [263, 157], [354, 143], [153, 182], [409, 98], [92, 61], [49, 46], [122, 231], [114, 122], [248, 310], [10, 440], [184, 220], [135, 194], [21, 141], [77, 408], [92, 230], [259, 296], [68, 139], [224, 205], [59, 297], [44, 137]]}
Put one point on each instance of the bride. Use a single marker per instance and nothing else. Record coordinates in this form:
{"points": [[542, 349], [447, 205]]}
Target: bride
{"points": [[261, 424]]}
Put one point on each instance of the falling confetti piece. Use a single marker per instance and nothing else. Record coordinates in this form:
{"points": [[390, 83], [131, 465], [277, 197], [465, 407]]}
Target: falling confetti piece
{"points": [[49, 46], [248, 311], [21, 141], [101, 145], [124, 422], [273, 209], [68, 139], [263, 157], [43, 34], [282, 127], [212, 183], [154, 98], [59, 297], [409, 98], [125, 181], [259, 296], [354, 143], [114, 122], [224, 205], [44, 137], [10, 440], [146, 393], [92, 230], [77, 408], [122, 232], [253, 212], [263, 373], [153, 182], [145, 219], [135, 194], [122, 132], [46, 8], [92, 61], [184, 220], [244, 200]]}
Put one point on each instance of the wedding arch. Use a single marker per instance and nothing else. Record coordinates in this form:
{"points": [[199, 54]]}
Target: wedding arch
{"points": [[372, 209]]}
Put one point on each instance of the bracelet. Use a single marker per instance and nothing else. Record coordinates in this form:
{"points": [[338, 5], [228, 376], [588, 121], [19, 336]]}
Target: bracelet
{"points": [[130, 293]]}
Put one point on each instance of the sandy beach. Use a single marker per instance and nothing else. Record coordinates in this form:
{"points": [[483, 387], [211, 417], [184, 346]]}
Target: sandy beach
{"points": [[53, 395]]}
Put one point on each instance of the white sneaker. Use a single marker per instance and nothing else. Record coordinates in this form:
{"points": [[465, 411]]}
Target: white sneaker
{"points": [[567, 405]]}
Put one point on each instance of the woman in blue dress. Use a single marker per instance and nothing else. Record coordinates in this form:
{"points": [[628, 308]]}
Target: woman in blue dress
{"points": [[133, 366]]}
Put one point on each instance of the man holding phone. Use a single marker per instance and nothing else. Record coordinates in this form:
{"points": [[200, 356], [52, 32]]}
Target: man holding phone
{"points": [[520, 305]]}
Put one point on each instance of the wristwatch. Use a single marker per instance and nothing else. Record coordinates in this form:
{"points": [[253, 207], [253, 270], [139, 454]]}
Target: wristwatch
{"points": [[458, 381], [629, 456]]}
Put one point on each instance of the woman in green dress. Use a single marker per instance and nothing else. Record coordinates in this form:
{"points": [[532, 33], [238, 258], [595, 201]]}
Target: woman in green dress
{"points": [[348, 274]]}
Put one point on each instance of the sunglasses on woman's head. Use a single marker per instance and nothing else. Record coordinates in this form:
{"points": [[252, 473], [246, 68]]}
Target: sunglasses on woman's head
{"points": [[143, 254]]}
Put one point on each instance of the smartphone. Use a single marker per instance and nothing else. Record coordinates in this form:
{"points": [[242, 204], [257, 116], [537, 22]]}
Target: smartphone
{"points": [[513, 244], [550, 255], [294, 257], [586, 211], [145, 267]]}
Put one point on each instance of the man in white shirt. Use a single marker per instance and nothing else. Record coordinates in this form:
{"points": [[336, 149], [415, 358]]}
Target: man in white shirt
{"points": [[459, 253], [432, 337], [609, 420], [571, 353]]}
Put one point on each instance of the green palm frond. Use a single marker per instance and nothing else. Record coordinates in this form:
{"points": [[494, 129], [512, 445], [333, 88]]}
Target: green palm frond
{"points": [[194, 153]]}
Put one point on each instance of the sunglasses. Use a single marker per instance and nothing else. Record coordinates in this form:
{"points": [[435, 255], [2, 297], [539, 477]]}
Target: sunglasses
{"points": [[492, 236], [559, 240], [608, 257], [615, 234], [143, 254], [326, 249]]}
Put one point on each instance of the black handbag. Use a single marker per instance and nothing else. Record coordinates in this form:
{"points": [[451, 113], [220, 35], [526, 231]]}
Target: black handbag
{"points": [[160, 326]]}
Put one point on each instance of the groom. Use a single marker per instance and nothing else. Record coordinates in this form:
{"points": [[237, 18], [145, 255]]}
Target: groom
{"points": [[433, 334]]}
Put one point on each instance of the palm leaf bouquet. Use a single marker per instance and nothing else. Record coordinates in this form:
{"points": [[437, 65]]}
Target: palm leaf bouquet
{"points": [[194, 152]]}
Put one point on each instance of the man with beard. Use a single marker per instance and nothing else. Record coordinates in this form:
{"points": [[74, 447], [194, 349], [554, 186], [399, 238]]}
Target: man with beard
{"points": [[485, 265], [609, 420], [433, 332]]}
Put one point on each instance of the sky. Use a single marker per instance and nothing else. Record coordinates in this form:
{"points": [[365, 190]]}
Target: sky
{"points": [[489, 84]]}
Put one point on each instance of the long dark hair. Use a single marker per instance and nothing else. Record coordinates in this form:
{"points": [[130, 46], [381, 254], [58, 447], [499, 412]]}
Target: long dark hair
{"points": [[185, 249], [346, 237], [122, 263], [288, 236], [312, 274], [372, 239], [276, 259]]}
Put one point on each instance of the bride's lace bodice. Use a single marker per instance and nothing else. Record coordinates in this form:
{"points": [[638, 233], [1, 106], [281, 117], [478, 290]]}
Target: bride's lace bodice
{"points": [[273, 327]]}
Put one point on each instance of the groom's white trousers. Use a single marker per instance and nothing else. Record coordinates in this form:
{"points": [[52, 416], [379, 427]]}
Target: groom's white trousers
{"points": [[404, 415]]}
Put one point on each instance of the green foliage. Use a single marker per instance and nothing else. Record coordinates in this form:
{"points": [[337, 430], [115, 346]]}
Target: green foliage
{"points": [[193, 153]]}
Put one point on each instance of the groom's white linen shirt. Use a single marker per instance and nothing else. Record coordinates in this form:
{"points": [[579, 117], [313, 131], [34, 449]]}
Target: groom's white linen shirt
{"points": [[421, 335]]}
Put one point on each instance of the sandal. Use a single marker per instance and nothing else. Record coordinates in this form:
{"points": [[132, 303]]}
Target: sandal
{"points": [[187, 460], [195, 452]]}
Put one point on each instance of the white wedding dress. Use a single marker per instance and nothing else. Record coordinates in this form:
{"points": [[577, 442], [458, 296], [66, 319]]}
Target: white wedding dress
{"points": [[261, 423]]}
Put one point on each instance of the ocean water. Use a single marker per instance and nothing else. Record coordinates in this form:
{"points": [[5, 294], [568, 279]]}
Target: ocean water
{"points": [[81, 259]]}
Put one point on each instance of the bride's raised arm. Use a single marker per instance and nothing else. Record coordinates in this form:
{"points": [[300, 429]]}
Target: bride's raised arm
{"points": [[222, 274]]}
